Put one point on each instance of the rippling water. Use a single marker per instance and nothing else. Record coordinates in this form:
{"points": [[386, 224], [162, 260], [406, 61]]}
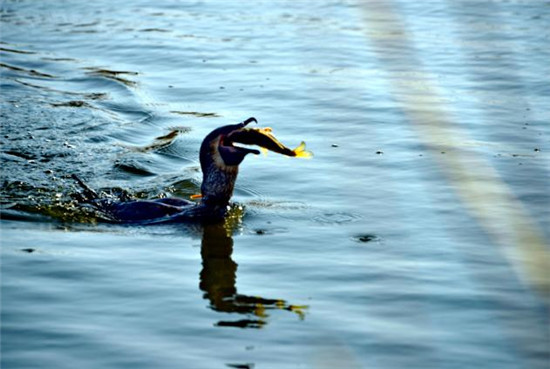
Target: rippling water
{"points": [[416, 237]]}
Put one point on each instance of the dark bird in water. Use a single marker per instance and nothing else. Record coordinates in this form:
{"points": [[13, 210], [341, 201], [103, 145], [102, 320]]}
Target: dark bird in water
{"points": [[220, 159]]}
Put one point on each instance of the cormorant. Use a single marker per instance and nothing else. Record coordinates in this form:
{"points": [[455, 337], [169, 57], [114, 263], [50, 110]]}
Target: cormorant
{"points": [[219, 159]]}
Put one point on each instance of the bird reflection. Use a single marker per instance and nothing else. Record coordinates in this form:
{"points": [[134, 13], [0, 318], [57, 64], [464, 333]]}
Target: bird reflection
{"points": [[218, 281]]}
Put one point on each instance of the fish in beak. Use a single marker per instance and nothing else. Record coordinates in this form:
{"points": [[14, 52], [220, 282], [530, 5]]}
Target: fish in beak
{"points": [[222, 146], [264, 138]]}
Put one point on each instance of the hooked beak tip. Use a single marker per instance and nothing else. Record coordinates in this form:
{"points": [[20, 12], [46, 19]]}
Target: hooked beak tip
{"points": [[249, 120]]}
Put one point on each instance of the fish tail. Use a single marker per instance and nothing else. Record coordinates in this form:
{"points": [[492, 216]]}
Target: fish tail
{"points": [[301, 152]]}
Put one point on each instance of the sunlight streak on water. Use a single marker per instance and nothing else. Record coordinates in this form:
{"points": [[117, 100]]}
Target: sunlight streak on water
{"points": [[477, 183]]}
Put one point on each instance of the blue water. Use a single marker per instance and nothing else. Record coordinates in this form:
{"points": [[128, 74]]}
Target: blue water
{"points": [[417, 236]]}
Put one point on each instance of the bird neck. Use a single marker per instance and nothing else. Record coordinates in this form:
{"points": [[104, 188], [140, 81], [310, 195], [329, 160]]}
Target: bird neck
{"points": [[218, 184]]}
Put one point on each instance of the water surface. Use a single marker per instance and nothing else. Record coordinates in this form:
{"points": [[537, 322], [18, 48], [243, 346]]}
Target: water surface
{"points": [[416, 237]]}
